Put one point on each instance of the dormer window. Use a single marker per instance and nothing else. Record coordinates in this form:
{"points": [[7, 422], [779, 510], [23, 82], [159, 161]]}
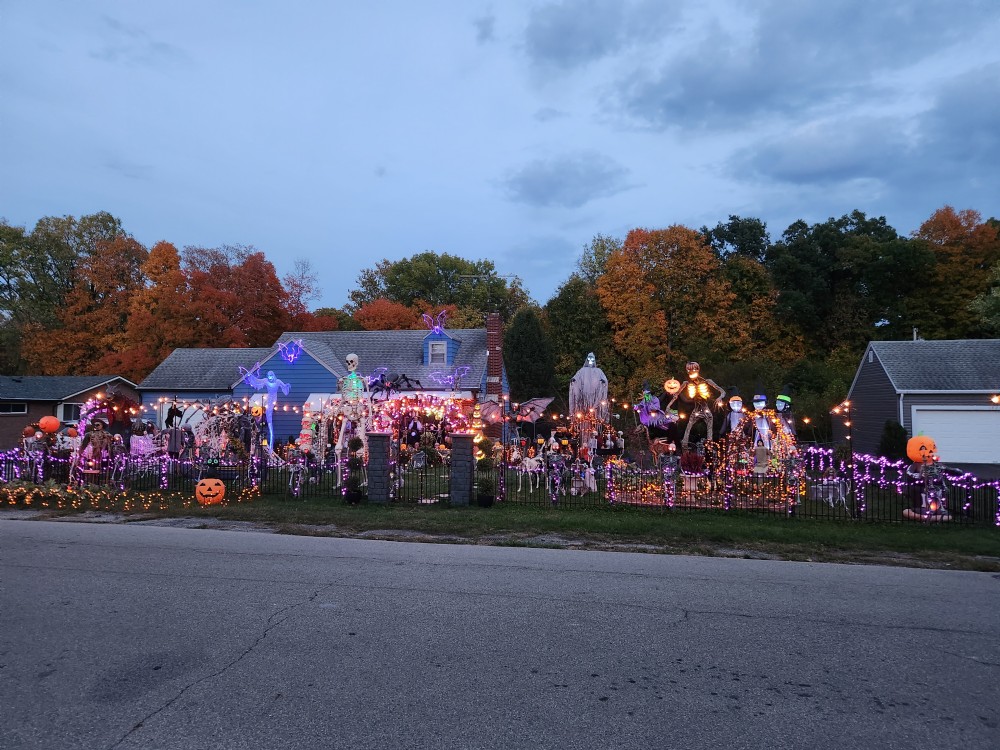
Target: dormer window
{"points": [[439, 353]]}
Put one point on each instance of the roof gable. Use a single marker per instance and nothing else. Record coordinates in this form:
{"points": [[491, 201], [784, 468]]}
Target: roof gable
{"points": [[953, 365], [53, 387], [202, 369]]}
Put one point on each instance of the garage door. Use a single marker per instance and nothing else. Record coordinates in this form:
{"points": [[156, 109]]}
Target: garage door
{"points": [[963, 435]]}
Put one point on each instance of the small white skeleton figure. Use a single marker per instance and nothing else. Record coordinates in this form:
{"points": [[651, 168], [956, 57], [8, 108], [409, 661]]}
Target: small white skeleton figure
{"points": [[698, 391], [761, 423]]}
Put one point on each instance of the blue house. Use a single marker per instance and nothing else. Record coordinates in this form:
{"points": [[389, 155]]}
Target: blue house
{"points": [[462, 363]]}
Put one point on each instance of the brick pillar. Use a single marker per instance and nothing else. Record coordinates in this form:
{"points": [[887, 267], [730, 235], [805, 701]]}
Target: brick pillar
{"points": [[463, 468], [494, 367], [378, 467]]}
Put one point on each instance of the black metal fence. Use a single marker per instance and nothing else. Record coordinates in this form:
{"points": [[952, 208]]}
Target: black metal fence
{"points": [[817, 484]]}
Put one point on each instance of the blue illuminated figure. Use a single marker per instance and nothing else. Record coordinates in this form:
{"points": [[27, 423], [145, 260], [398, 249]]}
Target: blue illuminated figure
{"points": [[272, 384]]}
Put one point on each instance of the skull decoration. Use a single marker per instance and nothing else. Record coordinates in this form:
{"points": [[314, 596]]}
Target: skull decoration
{"points": [[352, 362]]}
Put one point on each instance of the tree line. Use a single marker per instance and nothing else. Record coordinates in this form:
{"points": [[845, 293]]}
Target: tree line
{"points": [[82, 296]]}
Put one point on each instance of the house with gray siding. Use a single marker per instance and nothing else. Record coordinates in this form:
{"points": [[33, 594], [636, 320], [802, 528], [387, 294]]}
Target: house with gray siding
{"points": [[938, 388]]}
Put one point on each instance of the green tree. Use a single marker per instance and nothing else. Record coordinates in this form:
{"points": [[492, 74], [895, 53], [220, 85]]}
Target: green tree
{"points": [[743, 237], [345, 322], [437, 280], [986, 306], [579, 326], [528, 356], [592, 263]]}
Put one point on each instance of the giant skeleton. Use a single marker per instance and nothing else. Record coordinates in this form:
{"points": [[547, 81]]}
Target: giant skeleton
{"points": [[698, 391], [354, 406]]}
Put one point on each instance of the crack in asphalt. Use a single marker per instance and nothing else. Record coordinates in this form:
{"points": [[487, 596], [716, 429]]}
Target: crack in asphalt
{"points": [[270, 624]]}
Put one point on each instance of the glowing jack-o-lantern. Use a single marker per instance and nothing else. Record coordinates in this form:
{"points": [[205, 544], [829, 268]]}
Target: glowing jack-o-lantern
{"points": [[48, 424], [256, 410], [210, 491], [672, 386], [921, 449]]}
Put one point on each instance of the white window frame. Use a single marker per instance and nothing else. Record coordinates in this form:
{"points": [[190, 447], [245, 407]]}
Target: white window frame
{"points": [[438, 353], [7, 408], [69, 419]]}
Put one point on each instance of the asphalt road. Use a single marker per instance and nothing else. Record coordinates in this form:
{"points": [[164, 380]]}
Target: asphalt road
{"points": [[139, 636]]}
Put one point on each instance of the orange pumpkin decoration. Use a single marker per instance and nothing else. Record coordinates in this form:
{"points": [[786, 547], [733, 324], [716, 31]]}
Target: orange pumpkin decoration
{"points": [[210, 491], [672, 386], [256, 411], [921, 449], [29, 431], [72, 432], [49, 424]]}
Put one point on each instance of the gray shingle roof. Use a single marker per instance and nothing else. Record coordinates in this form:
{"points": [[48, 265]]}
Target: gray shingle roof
{"points": [[399, 351], [959, 365], [202, 369], [51, 387]]}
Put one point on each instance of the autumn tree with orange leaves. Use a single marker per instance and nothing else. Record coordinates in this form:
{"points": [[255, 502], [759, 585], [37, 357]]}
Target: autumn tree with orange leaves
{"points": [[668, 301]]}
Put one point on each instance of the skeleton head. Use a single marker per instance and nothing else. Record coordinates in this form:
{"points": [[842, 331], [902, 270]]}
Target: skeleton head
{"points": [[352, 362], [693, 369], [591, 360]]}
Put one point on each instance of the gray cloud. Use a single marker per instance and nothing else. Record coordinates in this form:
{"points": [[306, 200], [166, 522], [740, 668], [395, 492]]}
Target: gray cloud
{"points": [[956, 140], [485, 28], [132, 45], [129, 169], [547, 114], [794, 58], [826, 152], [574, 33], [567, 181], [962, 129]]}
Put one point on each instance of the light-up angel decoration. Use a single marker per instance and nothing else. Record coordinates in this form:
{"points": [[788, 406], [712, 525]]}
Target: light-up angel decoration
{"points": [[272, 385]]}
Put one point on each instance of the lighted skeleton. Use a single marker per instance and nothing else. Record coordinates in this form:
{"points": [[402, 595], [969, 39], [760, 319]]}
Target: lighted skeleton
{"points": [[698, 391], [354, 407]]}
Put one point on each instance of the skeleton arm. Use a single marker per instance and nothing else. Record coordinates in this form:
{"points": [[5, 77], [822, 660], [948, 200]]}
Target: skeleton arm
{"points": [[720, 401]]}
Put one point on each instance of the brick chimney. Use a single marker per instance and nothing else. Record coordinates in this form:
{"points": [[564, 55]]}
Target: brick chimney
{"points": [[494, 366]]}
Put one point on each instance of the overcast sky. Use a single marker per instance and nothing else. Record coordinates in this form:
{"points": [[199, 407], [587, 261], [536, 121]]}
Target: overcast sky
{"points": [[347, 132]]}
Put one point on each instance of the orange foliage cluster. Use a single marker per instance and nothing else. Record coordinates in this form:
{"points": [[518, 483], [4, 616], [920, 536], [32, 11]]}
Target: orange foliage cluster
{"points": [[128, 308]]}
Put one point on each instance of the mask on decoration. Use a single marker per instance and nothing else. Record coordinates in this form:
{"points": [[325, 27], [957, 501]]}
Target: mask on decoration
{"points": [[736, 404], [921, 449]]}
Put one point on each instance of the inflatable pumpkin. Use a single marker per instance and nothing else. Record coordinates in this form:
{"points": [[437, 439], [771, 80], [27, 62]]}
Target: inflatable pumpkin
{"points": [[49, 424], [210, 491], [921, 449]]}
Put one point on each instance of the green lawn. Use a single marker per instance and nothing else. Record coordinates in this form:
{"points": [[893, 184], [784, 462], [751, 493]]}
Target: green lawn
{"points": [[678, 531]]}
